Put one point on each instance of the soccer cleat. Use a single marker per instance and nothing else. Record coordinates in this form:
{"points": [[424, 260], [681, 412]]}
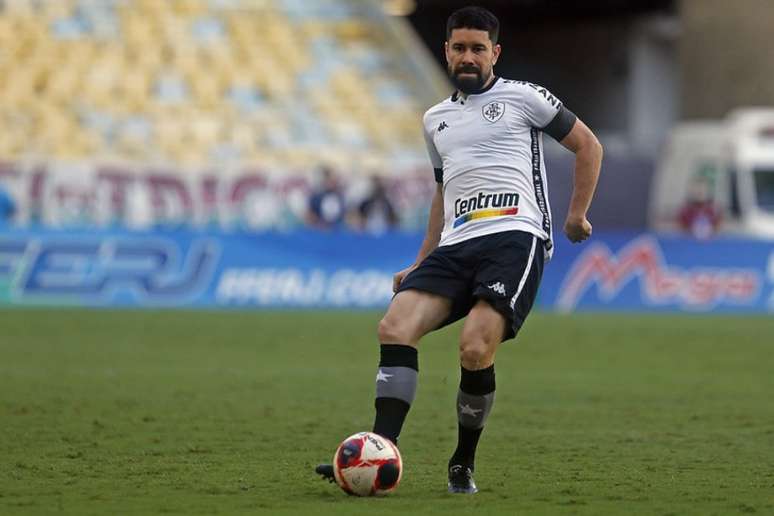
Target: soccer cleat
{"points": [[326, 472], [461, 480]]}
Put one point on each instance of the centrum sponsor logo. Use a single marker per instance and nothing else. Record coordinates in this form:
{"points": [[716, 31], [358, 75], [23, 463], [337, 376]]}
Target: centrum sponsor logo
{"points": [[484, 206]]}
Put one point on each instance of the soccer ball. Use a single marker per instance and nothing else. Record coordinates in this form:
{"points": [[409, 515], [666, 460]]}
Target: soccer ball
{"points": [[367, 464]]}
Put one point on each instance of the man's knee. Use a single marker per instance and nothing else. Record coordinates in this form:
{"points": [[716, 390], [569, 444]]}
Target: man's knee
{"points": [[475, 352], [391, 331]]}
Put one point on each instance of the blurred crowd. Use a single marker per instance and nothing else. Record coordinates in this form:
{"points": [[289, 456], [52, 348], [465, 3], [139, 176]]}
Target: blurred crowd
{"points": [[328, 207], [329, 202]]}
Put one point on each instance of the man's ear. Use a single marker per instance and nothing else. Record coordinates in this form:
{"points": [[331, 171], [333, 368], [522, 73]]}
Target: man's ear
{"points": [[496, 51]]}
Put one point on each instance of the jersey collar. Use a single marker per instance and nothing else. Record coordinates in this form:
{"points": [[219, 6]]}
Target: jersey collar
{"points": [[456, 95]]}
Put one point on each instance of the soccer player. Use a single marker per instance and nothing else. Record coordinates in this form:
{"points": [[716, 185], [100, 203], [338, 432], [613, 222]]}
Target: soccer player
{"points": [[488, 235]]}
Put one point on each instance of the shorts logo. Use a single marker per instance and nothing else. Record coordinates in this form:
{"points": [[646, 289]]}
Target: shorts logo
{"points": [[498, 288], [493, 111], [483, 206]]}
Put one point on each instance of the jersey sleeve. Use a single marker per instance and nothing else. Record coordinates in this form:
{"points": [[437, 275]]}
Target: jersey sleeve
{"points": [[546, 112], [432, 152]]}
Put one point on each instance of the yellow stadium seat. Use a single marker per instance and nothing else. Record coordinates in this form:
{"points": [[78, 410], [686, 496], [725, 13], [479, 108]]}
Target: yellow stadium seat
{"points": [[246, 79]]}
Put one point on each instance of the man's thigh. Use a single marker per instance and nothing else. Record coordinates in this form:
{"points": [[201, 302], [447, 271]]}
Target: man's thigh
{"points": [[413, 314], [484, 325], [447, 273]]}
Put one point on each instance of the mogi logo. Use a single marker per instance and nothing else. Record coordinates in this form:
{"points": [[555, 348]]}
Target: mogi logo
{"points": [[493, 111]]}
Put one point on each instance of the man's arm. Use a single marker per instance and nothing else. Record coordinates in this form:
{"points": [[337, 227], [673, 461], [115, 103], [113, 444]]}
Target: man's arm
{"points": [[434, 226], [432, 236], [588, 161]]}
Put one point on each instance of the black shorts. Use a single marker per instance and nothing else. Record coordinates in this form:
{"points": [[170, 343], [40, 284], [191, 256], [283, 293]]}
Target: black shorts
{"points": [[502, 268]]}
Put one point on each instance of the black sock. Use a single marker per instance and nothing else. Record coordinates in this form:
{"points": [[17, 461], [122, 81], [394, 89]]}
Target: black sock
{"points": [[474, 402], [396, 385]]}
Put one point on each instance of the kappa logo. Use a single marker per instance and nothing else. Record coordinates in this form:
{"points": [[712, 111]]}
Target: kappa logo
{"points": [[497, 287], [493, 111], [443, 125]]}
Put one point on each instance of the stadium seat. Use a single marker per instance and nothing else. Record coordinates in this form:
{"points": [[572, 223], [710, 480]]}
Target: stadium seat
{"points": [[200, 81]]}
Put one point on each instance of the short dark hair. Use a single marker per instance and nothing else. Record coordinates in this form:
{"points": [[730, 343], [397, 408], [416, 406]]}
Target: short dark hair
{"points": [[473, 17]]}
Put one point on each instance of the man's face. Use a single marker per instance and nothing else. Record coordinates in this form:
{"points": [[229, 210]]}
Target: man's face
{"points": [[470, 56]]}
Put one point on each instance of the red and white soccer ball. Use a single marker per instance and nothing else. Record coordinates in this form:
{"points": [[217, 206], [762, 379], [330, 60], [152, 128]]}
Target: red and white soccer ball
{"points": [[367, 464]]}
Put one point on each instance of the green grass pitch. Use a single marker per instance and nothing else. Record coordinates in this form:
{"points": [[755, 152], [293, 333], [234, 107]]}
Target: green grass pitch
{"points": [[138, 412]]}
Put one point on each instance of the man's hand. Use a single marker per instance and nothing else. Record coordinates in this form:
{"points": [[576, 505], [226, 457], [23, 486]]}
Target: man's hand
{"points": [[397, 279], [577, 229]]}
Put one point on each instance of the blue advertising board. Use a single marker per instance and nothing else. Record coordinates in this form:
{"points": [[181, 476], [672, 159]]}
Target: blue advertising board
{"points": [[643, 272], [307, 269], [201, 269]]}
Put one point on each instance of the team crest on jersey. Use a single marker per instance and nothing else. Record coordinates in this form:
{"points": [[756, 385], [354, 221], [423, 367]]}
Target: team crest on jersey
{"points": [[493, 111]]}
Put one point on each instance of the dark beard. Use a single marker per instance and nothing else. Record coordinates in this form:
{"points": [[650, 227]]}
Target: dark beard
{"points": [[467, 85]]}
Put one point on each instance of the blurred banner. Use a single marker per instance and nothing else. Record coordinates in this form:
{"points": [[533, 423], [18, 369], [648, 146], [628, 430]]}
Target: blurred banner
{"points": [[645, 272], [305, 269], [201, 269]]}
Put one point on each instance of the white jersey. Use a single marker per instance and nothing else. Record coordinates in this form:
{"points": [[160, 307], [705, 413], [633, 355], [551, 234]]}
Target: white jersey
{"points": [[487, 151]]}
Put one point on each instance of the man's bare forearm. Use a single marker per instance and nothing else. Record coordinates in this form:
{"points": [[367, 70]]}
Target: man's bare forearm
{"points": [[588, 161], [434, 227]]}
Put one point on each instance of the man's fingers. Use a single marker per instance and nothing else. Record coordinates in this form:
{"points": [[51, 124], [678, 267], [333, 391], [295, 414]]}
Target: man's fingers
{"points": [[577, 232], [578, 235], [397, 280]]}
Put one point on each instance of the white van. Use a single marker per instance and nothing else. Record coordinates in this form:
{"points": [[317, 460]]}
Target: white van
{"points": [[729, 162]]}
